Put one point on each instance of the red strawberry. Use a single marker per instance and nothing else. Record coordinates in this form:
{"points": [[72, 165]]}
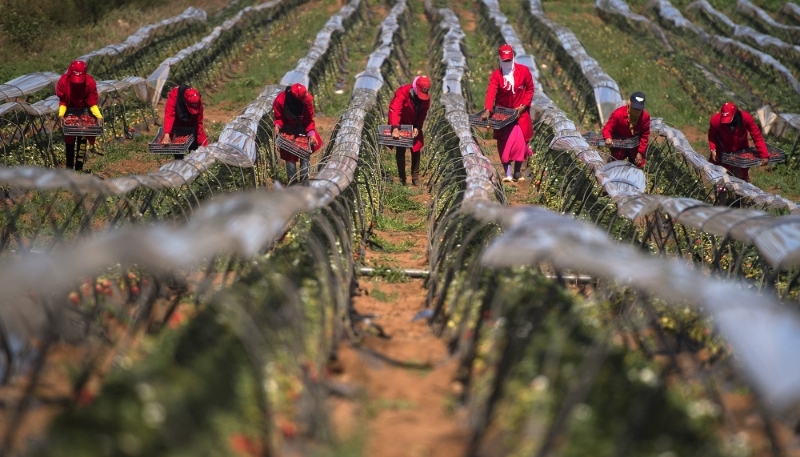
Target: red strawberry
{"points": [[242, 444]]}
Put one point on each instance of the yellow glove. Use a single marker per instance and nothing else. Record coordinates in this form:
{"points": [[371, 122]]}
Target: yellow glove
{"points": [[96, 111], [62, 110]]}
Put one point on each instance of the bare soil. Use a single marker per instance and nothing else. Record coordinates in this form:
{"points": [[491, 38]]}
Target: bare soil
{"points": [[409, 408]]}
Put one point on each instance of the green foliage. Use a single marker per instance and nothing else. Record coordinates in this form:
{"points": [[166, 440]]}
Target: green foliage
{"points": [[285, 43], [397, 199], [23, 23], [395, 224], [382, 296], [388, 246], [387, 273], [185, 398]]}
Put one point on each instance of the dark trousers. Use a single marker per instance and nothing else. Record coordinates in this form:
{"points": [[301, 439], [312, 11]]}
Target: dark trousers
{"points": [[81, 142], [400, 157]]}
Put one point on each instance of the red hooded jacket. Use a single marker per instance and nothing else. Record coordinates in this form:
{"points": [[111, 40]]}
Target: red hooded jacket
{"points": [[302, 124], [76, 95], [195, 122], [618, 127], [402, 111], [722, 139], [500, 94]]}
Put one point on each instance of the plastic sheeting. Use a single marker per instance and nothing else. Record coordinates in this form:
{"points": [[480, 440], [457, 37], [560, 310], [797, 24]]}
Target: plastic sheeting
{"points": [[738, 31], [716, 174], [241, 224], [320, 47], [237, 142], [28, 84], [619, 7], [145, 34], [371, 78], [619, 179], [236, 146], [747, 7], [160, 76], [606, 90], [50, 104], [777, 124], [791, 9], [625, 184], [31, 83], [764, 334], [339, 169], [669, 13], [480, 181], [540, 100]]}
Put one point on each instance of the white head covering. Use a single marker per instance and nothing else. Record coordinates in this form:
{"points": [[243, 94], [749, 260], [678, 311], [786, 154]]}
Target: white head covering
{"points": [[507, 69]]}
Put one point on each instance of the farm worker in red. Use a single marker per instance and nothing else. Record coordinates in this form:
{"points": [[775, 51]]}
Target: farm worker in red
{"points": [[728, 133], [183, 115], [76, 89], [410, 107], [511, 86], [626, 122], [294, 114]]}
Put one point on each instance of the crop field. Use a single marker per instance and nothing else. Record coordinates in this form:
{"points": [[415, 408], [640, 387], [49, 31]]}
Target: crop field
{"points": [[211, 306]]}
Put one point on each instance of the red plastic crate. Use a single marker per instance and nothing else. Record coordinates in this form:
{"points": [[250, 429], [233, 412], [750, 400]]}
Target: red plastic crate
{"points": [[297, 145], [406, 139], [180, 143], [748, 158], [597, 140], [80, 122], [499, 118]]}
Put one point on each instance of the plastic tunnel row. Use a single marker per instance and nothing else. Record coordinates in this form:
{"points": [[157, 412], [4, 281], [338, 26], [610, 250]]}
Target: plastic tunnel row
{"points": [[774, 123], [237, 145], [624, 184], [34, 82], [171, 192], [189, 64], [237, 237], [535, 235], [240, 224], [713, 174]]}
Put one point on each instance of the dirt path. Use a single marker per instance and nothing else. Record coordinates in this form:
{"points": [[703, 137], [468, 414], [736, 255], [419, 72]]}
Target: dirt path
{"points": [[407, 406]]}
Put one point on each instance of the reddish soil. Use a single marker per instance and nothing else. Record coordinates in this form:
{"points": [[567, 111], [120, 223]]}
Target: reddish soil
{"points": [[130, 167], [409, 410]]}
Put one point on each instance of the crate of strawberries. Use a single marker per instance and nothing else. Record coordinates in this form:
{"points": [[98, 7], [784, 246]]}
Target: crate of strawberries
{"points": [[80, 122], [297, 145], [748, 158], [499, 118], [406, 139], [596, 140], [179, 142]]}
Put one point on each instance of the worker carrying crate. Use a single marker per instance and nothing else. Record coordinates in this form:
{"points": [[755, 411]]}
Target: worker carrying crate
{"points": [[78, 114], [183, 117], [730, 147], [294, 119]]}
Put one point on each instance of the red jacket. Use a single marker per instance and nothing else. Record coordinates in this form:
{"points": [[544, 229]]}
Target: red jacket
{"points": [[617, 127], [76, 95], [499, 94], [303, 123], [402, 111], [721, 139], [195, 122]]}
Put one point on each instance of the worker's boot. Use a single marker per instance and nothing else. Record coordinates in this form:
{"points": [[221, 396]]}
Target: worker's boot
{"points": [[80, 153], [70, 156], [415, 160], [291, 172], [400, 156], [304, 164]]}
